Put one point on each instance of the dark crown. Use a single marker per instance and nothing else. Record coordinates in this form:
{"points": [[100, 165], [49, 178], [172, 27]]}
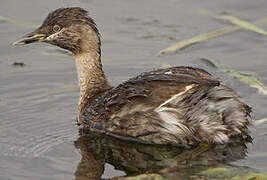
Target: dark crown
{"points": [[66, 17]]}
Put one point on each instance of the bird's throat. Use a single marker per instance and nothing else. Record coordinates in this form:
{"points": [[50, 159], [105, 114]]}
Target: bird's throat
{"points": [[91, 78]]}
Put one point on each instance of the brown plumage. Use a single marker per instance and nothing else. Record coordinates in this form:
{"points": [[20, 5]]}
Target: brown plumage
{"points": [[178, 105]]}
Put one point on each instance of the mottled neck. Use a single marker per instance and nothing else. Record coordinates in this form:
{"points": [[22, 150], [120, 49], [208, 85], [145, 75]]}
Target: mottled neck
{"points": [[91, 77]]}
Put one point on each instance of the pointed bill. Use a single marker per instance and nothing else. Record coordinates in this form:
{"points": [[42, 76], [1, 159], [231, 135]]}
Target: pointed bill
{"points": [[30, 38]]}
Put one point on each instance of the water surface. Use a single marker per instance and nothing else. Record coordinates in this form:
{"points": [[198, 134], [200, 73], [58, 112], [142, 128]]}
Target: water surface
{"points": [[38, 101]]}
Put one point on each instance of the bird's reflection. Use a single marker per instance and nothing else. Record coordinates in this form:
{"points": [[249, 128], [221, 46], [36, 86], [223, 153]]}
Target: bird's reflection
{"points": [[134, 158]]}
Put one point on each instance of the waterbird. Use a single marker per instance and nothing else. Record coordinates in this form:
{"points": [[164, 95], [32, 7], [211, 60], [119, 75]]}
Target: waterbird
{"points": [[173, 106]]}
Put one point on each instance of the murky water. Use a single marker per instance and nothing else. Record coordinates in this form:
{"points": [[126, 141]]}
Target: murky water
{"points": [[38, 101]]}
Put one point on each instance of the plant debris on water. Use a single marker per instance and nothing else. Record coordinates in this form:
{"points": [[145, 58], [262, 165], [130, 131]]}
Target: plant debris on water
{"points": [[246, 78], [203, 37], [187, 42], [241, 23]]}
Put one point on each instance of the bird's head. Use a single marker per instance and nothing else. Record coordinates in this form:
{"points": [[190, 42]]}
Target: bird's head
{"points": [[69, 28]]}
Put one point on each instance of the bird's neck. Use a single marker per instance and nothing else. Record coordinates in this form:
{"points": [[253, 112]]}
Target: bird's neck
{"points": [[91, 77]]}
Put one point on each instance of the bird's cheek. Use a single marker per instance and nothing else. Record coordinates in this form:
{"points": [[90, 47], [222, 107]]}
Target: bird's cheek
{"points": [[51, 38], [58, 36]]}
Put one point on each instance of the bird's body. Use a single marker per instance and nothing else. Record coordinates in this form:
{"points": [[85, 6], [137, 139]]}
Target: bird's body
{"points": [[178, 105]]}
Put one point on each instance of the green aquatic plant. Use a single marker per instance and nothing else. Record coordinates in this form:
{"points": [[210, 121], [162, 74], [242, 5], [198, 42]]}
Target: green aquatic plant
{"points": [[251, 176], [231, 173], [145, 177]]}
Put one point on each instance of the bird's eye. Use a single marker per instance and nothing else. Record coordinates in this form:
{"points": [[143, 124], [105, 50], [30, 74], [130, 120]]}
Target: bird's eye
{"points": [[56, 28]]}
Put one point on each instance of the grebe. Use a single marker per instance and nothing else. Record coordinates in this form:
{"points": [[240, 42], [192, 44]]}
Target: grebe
{"points": [[178, 105]]}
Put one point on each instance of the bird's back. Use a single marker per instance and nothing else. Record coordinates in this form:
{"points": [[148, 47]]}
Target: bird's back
{"points": [[178, 105]]}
